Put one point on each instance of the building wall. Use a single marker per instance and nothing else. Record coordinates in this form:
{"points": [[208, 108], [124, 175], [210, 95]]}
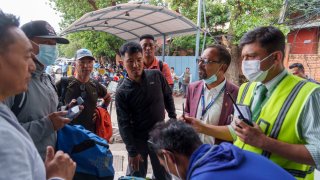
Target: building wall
{"points": [[304, 41], [311, 63]]}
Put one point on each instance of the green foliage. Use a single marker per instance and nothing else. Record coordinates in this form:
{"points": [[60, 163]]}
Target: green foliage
{"points": [[248, 14], [302, 11], [233, 17], [97, 42], [304, 7]]}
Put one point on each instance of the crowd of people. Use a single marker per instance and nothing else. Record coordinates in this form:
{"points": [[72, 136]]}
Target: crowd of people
{"points": [[270, 132]]}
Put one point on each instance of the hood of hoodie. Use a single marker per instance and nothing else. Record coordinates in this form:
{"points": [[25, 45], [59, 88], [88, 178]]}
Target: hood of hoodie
{"points": [[214, 157]]}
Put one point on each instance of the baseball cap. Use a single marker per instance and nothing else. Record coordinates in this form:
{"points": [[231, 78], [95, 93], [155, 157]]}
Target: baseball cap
{"points": [[42, 29], [84, 53]]}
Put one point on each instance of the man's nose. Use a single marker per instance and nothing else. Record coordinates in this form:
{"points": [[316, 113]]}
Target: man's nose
{"points": [[31, 66], [135, 64]]}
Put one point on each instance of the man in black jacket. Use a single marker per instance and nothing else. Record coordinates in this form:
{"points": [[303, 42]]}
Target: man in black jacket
{"points": [[141, 100]]}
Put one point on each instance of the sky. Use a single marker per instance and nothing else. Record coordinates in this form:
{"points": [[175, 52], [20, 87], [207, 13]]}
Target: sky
{"points": [[29, 10]]}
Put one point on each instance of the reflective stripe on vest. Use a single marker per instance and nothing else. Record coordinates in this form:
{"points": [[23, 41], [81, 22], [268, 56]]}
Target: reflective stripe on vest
{"points": [[282, 114], [279, 119], [245, 91], [300, 174]]}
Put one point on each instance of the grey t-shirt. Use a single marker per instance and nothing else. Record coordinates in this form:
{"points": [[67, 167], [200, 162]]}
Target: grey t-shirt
{"points": [[19, 158]]}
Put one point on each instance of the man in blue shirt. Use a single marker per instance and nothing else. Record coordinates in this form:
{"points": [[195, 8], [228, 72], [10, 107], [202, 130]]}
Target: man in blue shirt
{"points": [[182, 153]]}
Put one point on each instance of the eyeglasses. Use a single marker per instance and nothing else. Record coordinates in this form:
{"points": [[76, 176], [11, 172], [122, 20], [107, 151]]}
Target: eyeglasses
{"points": [[83, 91], [206, 61]]}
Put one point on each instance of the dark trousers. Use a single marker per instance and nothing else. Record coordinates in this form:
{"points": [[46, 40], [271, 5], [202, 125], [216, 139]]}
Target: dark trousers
{"points": [[158, 170], [184, 88]]}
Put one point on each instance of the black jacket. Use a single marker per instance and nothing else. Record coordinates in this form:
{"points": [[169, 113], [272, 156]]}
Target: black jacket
{"points": [[141, 105]]}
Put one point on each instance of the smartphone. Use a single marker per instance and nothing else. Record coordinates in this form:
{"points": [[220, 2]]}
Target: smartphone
{"points": [[73, 112], [241, 117], [80, 100]]}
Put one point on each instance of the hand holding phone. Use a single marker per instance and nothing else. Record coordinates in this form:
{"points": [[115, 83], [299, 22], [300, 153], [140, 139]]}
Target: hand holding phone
{"points": [[75, 111], [241, 117]]}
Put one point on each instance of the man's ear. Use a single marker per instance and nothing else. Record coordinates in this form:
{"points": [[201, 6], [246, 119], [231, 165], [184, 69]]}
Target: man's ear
{"points": [[224, 68], [278, 57], [169, 156]]}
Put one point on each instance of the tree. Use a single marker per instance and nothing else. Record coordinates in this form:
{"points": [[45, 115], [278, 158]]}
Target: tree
{"points": [[97, 42], [239, 16]]}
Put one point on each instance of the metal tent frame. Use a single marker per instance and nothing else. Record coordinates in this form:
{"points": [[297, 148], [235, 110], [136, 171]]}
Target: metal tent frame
{"points": [[130, 21]]}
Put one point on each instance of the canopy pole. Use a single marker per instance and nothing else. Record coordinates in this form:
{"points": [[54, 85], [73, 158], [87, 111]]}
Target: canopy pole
{"points": [[198, 37], [164, 47]]}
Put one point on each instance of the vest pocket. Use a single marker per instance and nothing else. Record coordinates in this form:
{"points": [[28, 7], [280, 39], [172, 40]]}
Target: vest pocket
{"points": [[264, 125]]}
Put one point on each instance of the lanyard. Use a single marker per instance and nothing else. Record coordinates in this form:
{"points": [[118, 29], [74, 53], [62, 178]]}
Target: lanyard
{"points": [[213, 100]]}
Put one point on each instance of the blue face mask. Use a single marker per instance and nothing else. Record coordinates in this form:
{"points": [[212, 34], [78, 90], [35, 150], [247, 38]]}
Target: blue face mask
{"points": [[212, 79], [47, 54]]}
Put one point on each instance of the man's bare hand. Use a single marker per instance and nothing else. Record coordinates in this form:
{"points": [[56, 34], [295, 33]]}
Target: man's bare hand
{"points": [[107, 99], [59, 165], [195, 123], [249, 135], [58, 119]]}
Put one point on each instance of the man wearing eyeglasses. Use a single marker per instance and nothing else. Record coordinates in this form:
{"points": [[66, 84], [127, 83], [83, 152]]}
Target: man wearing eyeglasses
{"points": [[207, 99], [81, 85]]}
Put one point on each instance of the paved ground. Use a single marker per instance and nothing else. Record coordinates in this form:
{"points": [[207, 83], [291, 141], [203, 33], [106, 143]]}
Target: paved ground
{"points": [[120, 161], [120, 153], [118, 149]]}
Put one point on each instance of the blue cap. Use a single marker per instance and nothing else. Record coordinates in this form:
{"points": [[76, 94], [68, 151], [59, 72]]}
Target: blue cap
{"points": [[81, 53]]}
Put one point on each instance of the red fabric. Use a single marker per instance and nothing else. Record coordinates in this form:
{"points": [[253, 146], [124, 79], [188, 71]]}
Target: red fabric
{"points": [[165, 70], [116, 78], [103, 123]]}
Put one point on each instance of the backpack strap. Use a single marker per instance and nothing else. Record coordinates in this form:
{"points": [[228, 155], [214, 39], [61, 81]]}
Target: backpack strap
{"points": [[64, 82], [52, 82], [160, 65], [19, 102]]}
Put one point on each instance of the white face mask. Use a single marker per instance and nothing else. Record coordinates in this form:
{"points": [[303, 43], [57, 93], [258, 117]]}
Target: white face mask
{"points": [[173, 177], [252, 71]]}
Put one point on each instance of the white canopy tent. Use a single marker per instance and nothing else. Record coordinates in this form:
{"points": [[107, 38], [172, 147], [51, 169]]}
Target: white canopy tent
{"points": [[130, 21]]}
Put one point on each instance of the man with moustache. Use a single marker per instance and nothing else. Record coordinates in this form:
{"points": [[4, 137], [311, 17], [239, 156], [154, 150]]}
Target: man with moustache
{"points": [[19, 158], [207, 99], [141, 101]]}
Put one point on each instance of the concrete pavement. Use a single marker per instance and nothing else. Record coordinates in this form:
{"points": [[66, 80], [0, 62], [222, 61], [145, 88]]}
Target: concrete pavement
{"points": [[120, 154]]}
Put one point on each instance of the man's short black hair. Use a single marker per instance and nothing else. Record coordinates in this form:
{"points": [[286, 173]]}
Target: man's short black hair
{"points": [[175, 136], [297, 65], [130, 48], [172, 68], [269, 38], [147, 36], [7, 21], [223, 54]]}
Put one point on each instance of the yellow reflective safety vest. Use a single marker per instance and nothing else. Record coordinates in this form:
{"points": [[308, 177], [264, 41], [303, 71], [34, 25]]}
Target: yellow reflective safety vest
{"points": [[279, 119]]}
